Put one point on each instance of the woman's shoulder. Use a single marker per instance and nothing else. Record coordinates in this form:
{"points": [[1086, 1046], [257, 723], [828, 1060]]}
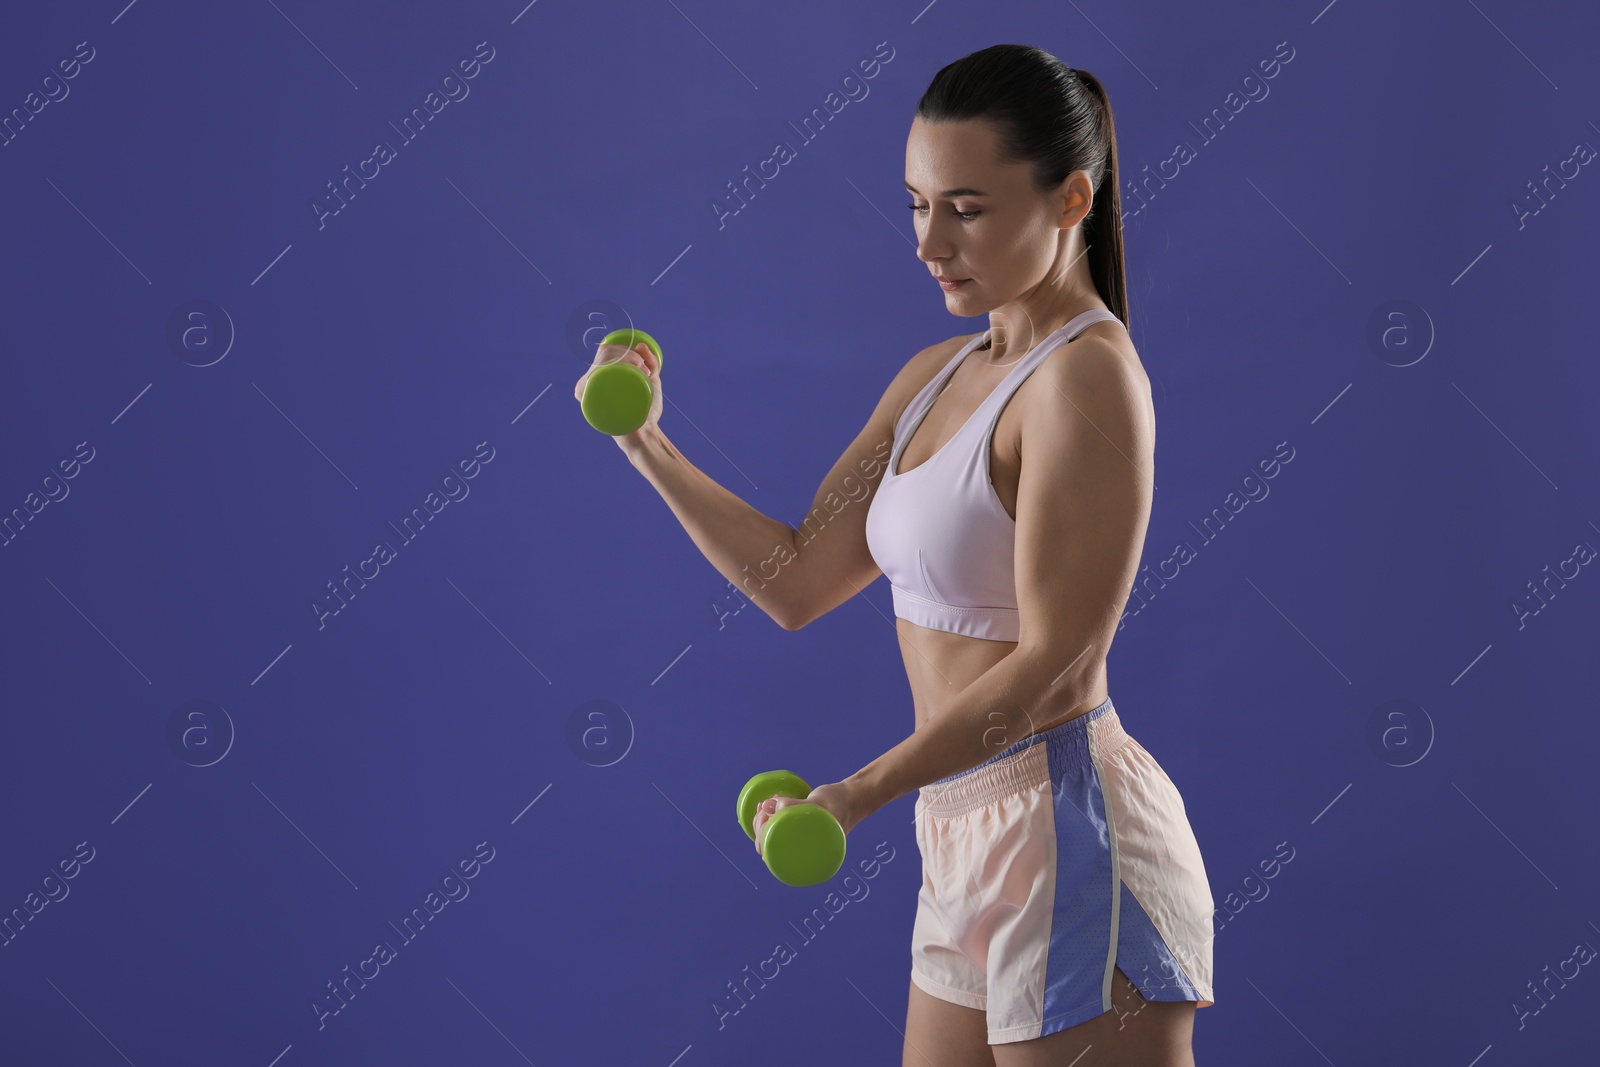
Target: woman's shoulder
{"points": [[921, 368], [926, 365], [938, 355], [1101, 360]]}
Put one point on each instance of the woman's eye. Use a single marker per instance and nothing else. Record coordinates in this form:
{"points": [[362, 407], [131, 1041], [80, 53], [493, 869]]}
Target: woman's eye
{"points": [[968, 215]]}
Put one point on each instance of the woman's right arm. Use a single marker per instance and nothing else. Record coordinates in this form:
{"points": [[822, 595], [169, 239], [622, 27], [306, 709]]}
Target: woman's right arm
{"points": [[738, 540], [754, 552], [792, 575]]}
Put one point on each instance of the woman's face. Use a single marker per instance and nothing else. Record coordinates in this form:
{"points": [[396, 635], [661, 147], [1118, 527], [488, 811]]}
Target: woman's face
{"points": [[983, 220]]}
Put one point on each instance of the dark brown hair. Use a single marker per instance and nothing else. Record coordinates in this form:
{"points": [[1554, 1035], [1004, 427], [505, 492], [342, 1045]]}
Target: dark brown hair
{"points": [[1055, 119]]}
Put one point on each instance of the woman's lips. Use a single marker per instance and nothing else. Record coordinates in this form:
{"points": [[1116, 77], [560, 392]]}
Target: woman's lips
{"points": [[952, 286]]}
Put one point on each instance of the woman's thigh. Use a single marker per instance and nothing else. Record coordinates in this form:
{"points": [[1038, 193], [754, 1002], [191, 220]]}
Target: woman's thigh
{"points": [[1134, 1033], [942, 1034]]}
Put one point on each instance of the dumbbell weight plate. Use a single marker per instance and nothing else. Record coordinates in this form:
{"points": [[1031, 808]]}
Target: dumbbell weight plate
{"points": [[803, 844]]}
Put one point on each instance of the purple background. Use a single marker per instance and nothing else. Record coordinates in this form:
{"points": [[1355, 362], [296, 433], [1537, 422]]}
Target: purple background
{"points": [[1441, 860]]}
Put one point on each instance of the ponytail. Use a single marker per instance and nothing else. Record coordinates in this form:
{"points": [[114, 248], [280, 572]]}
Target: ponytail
{"points": [[1102, 227]]}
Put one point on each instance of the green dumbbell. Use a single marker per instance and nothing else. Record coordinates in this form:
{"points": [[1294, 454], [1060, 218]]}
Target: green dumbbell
{"points": [[803, 844], [616, 398]]}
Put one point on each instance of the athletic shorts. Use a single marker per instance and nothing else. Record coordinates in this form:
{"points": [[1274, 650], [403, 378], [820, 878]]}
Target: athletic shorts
{"points": [[1066, 854]]}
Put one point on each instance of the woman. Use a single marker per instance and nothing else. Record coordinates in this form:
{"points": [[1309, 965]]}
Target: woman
{"points": [[1064, 904]]}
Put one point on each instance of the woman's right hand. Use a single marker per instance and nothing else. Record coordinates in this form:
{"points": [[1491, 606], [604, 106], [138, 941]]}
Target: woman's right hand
{"points": [[640, 356]]}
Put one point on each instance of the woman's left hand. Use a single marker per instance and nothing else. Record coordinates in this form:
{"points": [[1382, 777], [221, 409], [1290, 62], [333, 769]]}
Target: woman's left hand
{"points": [[837, 797]]}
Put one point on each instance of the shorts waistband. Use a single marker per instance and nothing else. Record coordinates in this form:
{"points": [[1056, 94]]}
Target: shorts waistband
{"points": [[1012, 770]]}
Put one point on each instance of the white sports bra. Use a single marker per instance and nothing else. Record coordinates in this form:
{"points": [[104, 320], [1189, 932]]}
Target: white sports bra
{"points": [[938, 532]]}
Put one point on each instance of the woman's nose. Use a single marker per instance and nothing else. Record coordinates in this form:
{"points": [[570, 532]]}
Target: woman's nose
{"points": [[931, 244]]}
